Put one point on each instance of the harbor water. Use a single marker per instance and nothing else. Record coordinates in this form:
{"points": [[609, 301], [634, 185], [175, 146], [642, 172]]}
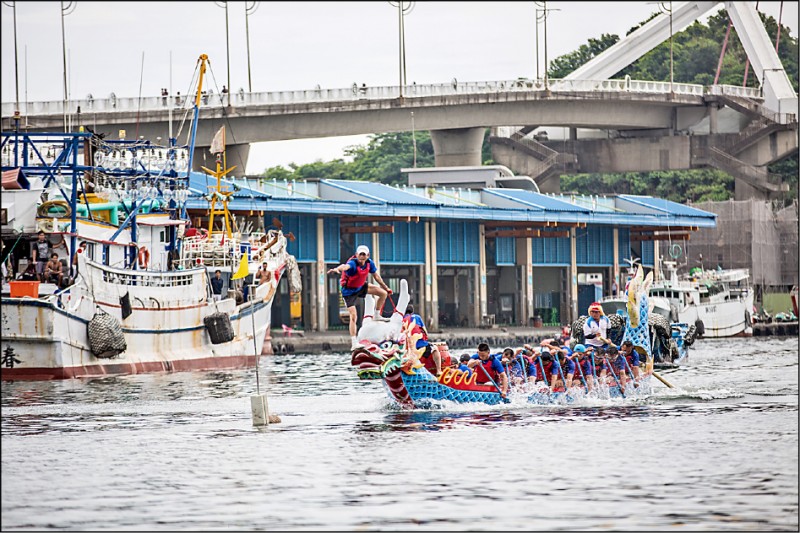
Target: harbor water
{"points": [[178, 452]]}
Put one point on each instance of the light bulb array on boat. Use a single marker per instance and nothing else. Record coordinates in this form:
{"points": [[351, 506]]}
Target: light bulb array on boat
{"points": [[152, 159]]}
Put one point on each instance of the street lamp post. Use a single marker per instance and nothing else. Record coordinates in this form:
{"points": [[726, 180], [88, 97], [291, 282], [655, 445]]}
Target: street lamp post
{"points": [[539, 18], [65, 10], [249, 9], [13, 6], [671, 70], [543, 17], [403, 8], [662, 6], [227, 42]]}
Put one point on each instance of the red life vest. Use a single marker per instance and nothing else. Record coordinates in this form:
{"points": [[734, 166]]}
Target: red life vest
{"points": [[489, 370], [543, 375], [357, 281]]}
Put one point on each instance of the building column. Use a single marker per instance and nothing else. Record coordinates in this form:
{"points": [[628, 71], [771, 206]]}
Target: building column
{"points": [[431, 280], [656, 262], [573, 276], [615, 267], [482, 307], [457, 147], [525, 265], [319, 318], [375, 249]]}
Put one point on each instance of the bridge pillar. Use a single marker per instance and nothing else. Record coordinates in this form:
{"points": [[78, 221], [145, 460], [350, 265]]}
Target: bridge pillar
{"points": [[236, 154], [458, 147], [713, 119]]}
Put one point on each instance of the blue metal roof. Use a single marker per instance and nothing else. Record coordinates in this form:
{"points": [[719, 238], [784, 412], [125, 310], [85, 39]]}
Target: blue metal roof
{"points": [[537, 200], [201, 183], [367, 199], [378, 192], [666, 206]]}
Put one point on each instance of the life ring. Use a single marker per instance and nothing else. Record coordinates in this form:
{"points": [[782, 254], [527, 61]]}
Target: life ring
{"points": [[675, 251], [144, 257], [54, 208]]}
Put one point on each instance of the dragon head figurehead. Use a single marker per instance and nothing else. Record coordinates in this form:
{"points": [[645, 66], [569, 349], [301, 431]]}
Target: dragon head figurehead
{"points": [[383, 350], [637, 329], [376, 331]]}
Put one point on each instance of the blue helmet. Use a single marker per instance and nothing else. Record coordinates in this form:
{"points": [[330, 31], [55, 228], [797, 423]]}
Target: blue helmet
{"points": [[579, 348]]}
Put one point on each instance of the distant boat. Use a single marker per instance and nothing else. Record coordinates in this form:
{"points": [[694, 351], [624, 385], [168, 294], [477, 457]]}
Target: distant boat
{"points": [[136, 303], [718, 302]]}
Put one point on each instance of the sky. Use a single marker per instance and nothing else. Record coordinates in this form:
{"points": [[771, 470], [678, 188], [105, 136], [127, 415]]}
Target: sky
{"points": [[125, 47]]}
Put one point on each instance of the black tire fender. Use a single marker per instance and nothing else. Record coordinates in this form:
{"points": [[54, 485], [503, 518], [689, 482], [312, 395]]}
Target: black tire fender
{"points": [[700, 327]]}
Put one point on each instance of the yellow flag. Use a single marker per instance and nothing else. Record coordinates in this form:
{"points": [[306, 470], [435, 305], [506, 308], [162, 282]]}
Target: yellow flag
{"points": [[244, 268]]}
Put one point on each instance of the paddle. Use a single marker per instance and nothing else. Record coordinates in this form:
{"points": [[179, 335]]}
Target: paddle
{"points": [[662, 380], [628, 366], [480, 364], [611, 368], [583, 378]]}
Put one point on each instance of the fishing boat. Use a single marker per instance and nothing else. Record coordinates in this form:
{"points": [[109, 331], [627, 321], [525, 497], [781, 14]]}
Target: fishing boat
{"points": [[717, 302], [134, 301], [386, 352]]}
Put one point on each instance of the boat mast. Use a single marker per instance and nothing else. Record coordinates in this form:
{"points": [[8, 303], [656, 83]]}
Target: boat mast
{"points": [[218, 194]]}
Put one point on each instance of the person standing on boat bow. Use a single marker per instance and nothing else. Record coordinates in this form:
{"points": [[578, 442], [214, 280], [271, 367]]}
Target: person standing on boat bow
{"points": [[354, 285], [595, 329]]}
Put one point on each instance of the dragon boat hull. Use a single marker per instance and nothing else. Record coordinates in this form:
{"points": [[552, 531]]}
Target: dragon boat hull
{"points": [[413, 386]]}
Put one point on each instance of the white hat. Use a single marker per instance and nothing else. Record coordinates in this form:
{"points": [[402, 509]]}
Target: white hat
{"points": [[362, 249]]}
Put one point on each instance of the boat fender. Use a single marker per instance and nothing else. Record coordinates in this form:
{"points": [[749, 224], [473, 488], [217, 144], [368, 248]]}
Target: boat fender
{"points": [[106, 339], [748, 320], [700, 327], [219, 327], [689, 338], [283, 349], [673, 313], [144, 257]]}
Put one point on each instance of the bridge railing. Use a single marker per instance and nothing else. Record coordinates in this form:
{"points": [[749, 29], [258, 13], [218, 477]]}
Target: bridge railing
{"points": [[318, 95]]}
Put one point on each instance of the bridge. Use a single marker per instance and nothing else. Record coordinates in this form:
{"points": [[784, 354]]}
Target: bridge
{"points": [[609, 125]]}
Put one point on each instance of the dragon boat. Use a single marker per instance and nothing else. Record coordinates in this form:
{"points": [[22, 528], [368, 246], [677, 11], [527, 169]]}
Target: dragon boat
{"points": [[386, 352]]}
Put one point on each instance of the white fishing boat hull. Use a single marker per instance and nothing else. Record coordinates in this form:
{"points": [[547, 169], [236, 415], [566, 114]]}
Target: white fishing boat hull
{"points": [[721, 319], [47, 338]]}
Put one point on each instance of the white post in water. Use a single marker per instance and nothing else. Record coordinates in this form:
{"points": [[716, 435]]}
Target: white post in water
{"points": [[259, 407]]}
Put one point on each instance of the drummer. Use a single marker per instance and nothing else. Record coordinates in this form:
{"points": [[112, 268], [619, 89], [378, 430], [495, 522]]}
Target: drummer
{"points": [[429, 353]]}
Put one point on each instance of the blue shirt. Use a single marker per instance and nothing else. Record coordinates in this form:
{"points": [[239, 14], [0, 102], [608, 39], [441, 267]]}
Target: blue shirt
{"points": [[495, 359], [568, 367], [585, 366], [465, 368], [515, 369], [634, 358]]}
